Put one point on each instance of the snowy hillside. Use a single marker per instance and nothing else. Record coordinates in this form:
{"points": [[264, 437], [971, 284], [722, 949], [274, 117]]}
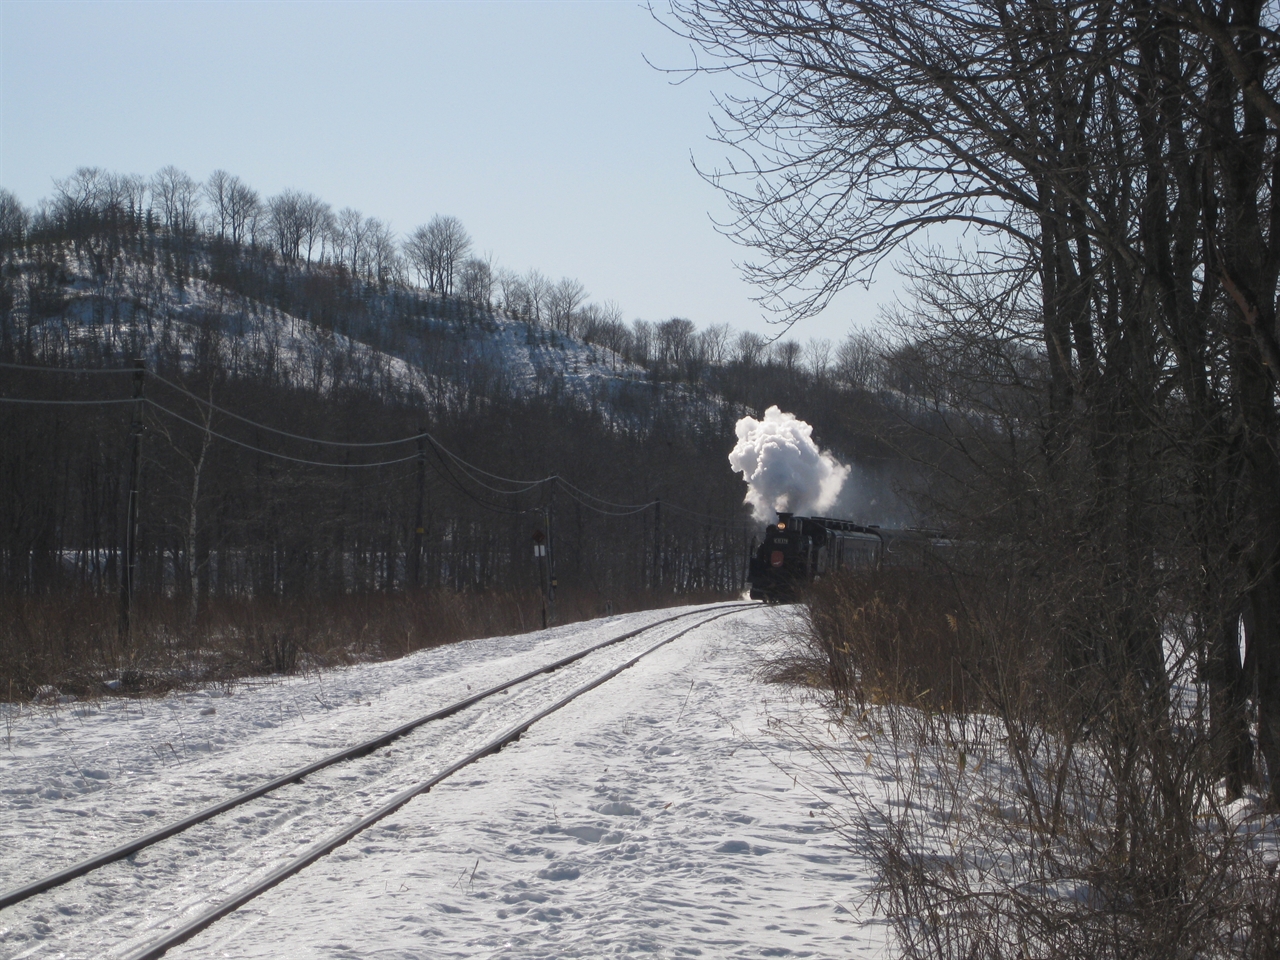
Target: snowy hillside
{"points": [[143, 312]]}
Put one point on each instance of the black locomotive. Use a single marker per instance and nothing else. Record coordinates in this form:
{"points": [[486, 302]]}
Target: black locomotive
{"points": [[798, 550]]}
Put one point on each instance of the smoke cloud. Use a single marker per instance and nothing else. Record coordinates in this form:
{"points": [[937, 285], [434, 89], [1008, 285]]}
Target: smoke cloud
{"points": [[784, 469]]}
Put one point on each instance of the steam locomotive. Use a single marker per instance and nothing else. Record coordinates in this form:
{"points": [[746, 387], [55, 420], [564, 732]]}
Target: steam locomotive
{"points": [[798, 550]]}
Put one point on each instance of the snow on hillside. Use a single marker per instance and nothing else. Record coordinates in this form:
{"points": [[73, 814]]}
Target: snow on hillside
{"points": [[139, 312], [672, 812], [531, 357], [301, 353]]}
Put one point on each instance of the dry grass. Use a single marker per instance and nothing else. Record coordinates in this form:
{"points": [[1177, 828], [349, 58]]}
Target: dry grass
{"points": [[1030, 811], [895, 636], [72, 642]]}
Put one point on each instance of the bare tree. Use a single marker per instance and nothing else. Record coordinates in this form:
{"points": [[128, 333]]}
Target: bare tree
{"points": [[80, 195], [351, 237], [437, 251], [477, 280], [132, 189], [284, 217], [178, 197], [563, 300], [749, 348], [14, 220], [537, 290], [316, 219], [858, 360], [383, 261], [511, 286], [787, 353], [300, 222], [1114, 165], [642, 337], [217, 190], [674, 341], [817, 357], [611, 312], [243, 208], [418, 253], [93, 206], [612, 332], [715, 343], [452, 245]]}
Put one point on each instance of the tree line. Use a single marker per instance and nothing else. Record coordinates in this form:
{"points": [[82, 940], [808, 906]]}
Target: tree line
{"points": [[311, 338], [297, 228]]}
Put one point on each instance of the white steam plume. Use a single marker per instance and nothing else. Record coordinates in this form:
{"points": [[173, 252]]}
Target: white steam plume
{"points": [[784, 469]]}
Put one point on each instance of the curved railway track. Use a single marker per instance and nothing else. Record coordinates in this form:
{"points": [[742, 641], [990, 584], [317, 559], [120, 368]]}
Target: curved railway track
{"points": [[264, 878]]}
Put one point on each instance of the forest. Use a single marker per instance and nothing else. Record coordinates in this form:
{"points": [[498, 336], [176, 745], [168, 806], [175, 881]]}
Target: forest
{"points": [[245, 435]]}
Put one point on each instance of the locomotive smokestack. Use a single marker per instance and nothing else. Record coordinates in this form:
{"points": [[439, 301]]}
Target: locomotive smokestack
{"points": [[785, 471]]}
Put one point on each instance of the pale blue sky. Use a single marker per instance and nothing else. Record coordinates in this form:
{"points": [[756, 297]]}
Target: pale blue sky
{"points": [[538, 124]]}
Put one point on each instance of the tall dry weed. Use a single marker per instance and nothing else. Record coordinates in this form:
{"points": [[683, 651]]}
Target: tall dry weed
{"points": [[1033, 804], [72, 642]]}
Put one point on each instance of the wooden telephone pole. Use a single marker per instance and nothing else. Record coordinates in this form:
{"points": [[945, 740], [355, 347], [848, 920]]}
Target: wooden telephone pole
{"points": [[129, 569], [418, 528]]}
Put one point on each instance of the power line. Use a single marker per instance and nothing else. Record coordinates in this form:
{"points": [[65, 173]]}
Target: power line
{"points": [[284, 433], [609, 503], [525, 485], [33, 369], [627, 509], [74, 403], [448, 475], [591, 496], [723, 521], [272, 453], [609, 513], [468, 469]]}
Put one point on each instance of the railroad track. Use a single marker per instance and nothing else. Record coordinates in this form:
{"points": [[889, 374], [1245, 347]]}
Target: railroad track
{"points": [[183, 915]]}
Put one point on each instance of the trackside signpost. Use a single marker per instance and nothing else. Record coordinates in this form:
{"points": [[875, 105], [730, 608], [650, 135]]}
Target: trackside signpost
{"points": [[540, 555]]}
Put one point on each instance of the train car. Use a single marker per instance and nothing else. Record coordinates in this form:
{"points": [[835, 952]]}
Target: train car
{"points": [[798, 550]]}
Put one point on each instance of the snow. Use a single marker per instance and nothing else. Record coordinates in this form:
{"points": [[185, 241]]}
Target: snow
{"points": [[101, 319], [448, 361], [673, 811]]}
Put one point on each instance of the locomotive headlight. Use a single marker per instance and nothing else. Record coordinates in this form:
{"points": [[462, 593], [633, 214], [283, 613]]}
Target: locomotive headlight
{"points": [[782, 525]]}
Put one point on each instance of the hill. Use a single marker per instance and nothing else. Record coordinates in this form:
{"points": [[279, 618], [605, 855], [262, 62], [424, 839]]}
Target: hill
{"points": [[327, 429]]}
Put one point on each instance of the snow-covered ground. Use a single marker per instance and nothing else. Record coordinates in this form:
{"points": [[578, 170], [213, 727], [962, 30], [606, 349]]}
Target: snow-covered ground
{"points": [[671, 812]]}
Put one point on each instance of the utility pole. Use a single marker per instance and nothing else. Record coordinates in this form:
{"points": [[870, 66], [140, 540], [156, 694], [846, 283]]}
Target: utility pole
{"points": [[131, 513], [540, 555], [657, 544], [552, 583], [422, 503]]}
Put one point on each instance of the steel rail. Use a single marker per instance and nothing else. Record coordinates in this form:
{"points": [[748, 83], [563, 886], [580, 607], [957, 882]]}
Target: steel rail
{"points": [[60, 877], [194, 926]]}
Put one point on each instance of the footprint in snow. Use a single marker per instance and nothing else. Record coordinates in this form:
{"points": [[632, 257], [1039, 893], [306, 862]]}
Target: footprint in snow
{"points": [[560, 871], [741, 846], [617, 808]]}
